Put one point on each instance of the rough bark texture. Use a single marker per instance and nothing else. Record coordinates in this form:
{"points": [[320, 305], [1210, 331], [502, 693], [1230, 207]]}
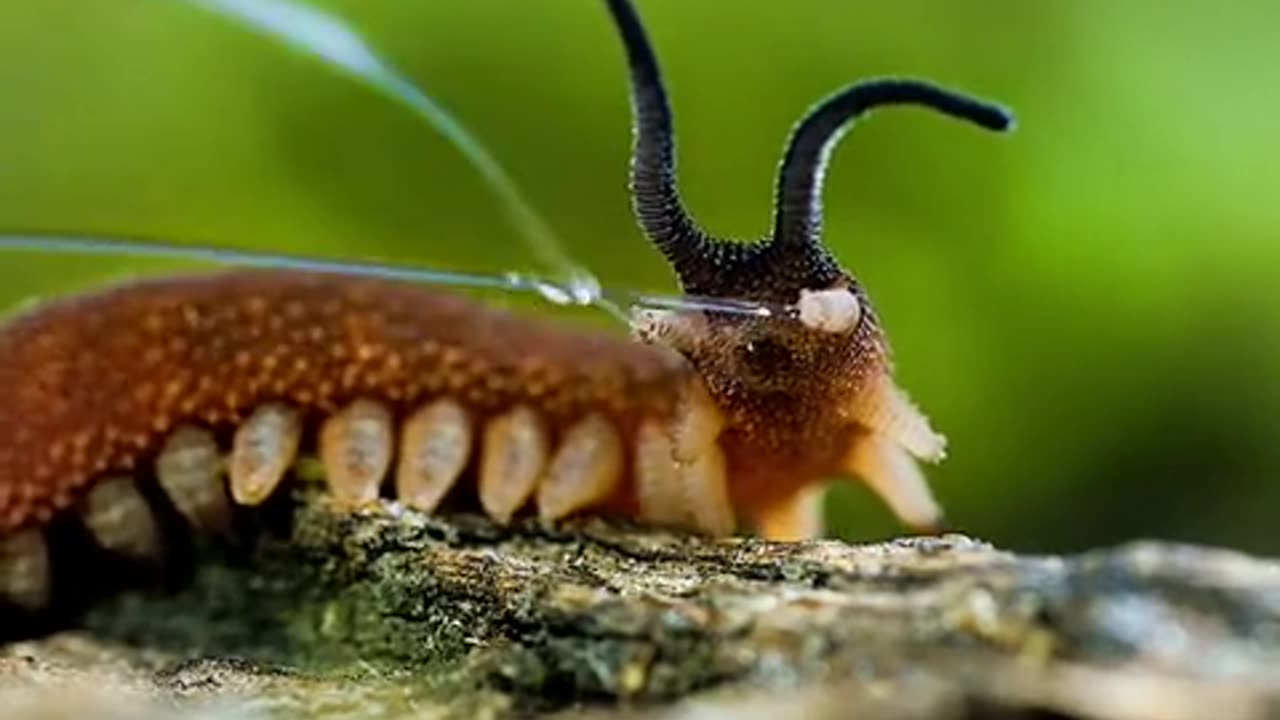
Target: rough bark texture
{"points": [[388, 613]]}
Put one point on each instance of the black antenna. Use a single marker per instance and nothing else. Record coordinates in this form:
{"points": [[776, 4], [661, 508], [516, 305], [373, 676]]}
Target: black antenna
{"points": [[798, 209], [656, 199]]}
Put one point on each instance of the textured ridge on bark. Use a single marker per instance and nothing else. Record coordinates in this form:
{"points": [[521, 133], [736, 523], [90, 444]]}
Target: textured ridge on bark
{"points": [[410, 612]]}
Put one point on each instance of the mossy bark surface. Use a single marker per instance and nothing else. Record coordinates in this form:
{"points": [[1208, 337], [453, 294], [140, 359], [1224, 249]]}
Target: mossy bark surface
{"points": [[386, 612]]}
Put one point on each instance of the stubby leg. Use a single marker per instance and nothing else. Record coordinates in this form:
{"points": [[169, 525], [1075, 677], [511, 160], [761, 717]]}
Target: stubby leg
{"points": [[892, 474], [797, 518]]}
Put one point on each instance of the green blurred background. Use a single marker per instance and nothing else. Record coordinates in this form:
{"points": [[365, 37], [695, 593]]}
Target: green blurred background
{"points": [[1087, 307]]}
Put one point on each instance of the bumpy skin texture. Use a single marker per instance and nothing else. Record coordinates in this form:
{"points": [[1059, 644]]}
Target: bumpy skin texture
{"points": [[94, 383]]}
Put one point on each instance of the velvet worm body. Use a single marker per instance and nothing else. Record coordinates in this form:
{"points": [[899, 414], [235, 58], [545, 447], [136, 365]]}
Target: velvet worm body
{"points": [[203, 392]]}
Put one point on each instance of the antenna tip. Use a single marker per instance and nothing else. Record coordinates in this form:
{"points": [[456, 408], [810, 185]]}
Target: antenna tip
{"points": [[999, 118]]}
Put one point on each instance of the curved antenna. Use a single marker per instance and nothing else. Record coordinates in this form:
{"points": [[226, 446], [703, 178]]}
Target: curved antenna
{"points": [[654, 194], [798, 208]]}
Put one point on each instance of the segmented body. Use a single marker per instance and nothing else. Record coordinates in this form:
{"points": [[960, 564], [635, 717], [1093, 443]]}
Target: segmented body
{"points": [[96, 383], [388, 383]]}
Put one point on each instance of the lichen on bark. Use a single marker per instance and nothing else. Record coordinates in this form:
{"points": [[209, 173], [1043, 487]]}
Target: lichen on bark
{"points": [[412, 611]]}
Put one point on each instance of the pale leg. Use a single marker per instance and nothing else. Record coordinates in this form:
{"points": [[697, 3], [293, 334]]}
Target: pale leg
{"points": [[894, 475], [799, 517]]}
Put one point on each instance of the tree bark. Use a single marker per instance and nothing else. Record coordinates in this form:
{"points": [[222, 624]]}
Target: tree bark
{"points": [[394, 610]]}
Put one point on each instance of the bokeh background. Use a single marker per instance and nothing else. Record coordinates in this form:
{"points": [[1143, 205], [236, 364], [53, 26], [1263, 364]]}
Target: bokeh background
{"points": [[1088, 308]]}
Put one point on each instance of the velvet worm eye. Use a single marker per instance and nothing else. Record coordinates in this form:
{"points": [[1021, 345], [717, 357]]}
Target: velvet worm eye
{"points": [[835, 311]]}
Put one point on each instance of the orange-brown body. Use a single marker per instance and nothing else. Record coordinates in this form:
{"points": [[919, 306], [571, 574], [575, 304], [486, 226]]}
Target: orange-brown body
{"points": [[93, 384]]}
